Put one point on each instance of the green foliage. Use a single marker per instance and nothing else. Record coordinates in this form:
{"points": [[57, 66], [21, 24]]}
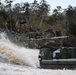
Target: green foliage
{"points": [[12, 23], [3, 14], [37, 15], [72, 29], [71, 14], [3, 18], [71, 20]]}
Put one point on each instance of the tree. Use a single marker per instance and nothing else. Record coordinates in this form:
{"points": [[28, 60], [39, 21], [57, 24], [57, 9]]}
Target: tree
{"points": [[71, 14], [71, 19], [43, 11], [3, 18], [9, 2], [57, 16], [27, 12], [1, 5], [72, 29], [16, 11], [34, 11]]}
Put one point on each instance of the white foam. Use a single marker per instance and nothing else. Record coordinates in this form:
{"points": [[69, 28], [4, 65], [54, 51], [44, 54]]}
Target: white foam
{"points": [[8, 69], [16, 54]]}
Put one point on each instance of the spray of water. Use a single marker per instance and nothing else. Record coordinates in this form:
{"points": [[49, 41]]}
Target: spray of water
{"points": [[17, 54]]}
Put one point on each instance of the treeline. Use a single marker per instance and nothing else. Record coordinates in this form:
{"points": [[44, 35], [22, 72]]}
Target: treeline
{"points": [[37, 14]]}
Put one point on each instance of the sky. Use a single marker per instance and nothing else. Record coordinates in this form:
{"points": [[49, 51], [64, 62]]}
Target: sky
{"points": [[53, 3]]}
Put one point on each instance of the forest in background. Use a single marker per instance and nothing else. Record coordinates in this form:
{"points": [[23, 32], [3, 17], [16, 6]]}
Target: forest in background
{"points": [[37, 15]]}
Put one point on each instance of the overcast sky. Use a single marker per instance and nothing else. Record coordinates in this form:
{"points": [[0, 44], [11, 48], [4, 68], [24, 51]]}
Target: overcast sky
{"points": [[53, 3]]}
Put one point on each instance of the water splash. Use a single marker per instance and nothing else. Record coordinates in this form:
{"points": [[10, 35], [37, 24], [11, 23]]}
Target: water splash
{"points": [[17, 54]]}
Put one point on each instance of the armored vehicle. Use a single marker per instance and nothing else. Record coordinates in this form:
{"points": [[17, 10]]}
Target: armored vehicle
{"points": [[57, 56]]}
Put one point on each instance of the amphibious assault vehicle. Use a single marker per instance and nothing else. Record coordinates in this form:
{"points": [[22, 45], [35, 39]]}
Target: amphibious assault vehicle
{"points": [[57, 56]]}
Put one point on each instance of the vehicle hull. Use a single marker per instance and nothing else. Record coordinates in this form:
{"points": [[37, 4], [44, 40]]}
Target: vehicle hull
{"points": [[58, 64]]}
